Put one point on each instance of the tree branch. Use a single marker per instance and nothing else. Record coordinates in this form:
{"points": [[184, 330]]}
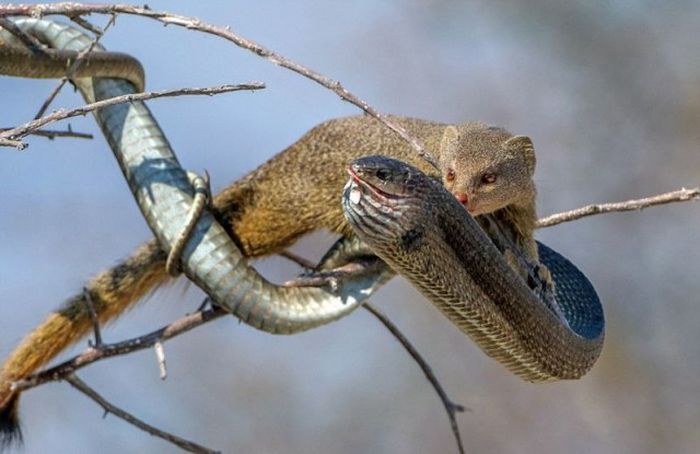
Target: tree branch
{"points": [[450, 406], [181, 443], [192, 23], [72, 68], [682, 195], [28, 40], [52, 134], [93, 354], [11, 137]]}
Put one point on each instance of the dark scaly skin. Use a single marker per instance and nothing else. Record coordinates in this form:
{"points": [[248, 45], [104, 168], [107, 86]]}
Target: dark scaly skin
{"points": [[52, 64], [419, 229]]}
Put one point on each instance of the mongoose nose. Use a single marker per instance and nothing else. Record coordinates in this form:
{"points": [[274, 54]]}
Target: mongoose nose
{"points": [[462, 197]]}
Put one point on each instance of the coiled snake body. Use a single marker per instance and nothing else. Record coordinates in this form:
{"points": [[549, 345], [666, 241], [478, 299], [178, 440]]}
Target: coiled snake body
{"points": [[418, 228]]}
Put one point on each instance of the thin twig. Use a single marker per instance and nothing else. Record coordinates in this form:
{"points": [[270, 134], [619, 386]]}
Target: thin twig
{"points": [[93, 318], [682, 195], [192, 23], [72, 68], [91, 355], [186, 445], [28, 40], [299, 260], [450, 406], [94, 29], [52, 134], [10, 137]]}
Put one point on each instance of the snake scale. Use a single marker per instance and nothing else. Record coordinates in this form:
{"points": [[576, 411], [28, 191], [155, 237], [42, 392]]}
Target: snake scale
{"points": [[406, 218]]}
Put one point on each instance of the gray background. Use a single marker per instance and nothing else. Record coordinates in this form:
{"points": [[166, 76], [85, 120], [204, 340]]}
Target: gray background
{"points": [[610, 94]]}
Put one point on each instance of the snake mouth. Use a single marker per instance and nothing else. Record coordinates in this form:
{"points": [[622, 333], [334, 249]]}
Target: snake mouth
{"points": [[378, 192]]}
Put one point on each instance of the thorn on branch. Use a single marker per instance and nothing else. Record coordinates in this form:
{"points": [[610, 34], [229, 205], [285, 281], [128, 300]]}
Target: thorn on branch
{"points": [[89, 303], [160, 356]]}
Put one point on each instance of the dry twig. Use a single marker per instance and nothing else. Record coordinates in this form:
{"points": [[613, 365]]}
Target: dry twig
{"points": [[682, 195], [12, 137], [192, 23], [52, 134], [72, 68], [93, 318], [92, 354], [186, 445], [301, 261], [450, 406], [28, 40]]}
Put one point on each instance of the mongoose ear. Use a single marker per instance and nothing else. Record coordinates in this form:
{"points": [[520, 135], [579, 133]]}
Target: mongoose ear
{"points": [[523, 144], [450, 140]]}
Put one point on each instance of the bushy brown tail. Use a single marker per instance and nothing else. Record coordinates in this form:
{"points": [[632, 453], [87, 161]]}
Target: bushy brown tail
{"points": [[10, 432], [112, 292]]}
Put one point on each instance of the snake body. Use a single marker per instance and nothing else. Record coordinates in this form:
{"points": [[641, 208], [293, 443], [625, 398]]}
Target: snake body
{"points": [[417, 227], [420, 231], [164, 193], [53, 63]]}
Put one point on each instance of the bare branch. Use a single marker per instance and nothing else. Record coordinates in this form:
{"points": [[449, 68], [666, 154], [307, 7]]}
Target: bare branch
{"points": [[192, 23], [186, 445], [94, 29], [450, 406], [682, 195], [52, 134], [299, 260], [91, 354], [28, 40], [93, 318], [10, 137], [71, 70]]}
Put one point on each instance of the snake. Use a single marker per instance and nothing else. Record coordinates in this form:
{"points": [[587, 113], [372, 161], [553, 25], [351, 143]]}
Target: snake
{"points": [[165, 195], [407, 219], [422, 232]]}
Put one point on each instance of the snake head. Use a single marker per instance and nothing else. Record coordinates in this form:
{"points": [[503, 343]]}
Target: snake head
{"points": [[383, 202], [384, 176]]}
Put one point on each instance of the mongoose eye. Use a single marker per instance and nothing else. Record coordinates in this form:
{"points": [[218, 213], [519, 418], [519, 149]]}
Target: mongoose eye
{"points": [[450, 175], [488, 178]]}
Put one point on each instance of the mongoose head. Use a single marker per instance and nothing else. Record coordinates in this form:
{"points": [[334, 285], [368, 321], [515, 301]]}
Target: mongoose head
{"points": [[486, 167]]}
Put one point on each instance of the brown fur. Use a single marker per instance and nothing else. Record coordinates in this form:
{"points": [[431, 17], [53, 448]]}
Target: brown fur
{"points": [[294, 193]]}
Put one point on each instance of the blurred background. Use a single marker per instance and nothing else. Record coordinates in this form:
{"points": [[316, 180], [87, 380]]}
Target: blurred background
{"points": [[610, 94]]}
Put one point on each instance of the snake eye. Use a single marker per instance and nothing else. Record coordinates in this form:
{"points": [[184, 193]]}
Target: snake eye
{"points": [[383, 174], [450, 175], [488, 178]]}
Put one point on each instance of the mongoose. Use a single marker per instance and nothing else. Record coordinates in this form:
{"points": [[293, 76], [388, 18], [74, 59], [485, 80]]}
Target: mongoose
{"points": [[296, 192]]}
